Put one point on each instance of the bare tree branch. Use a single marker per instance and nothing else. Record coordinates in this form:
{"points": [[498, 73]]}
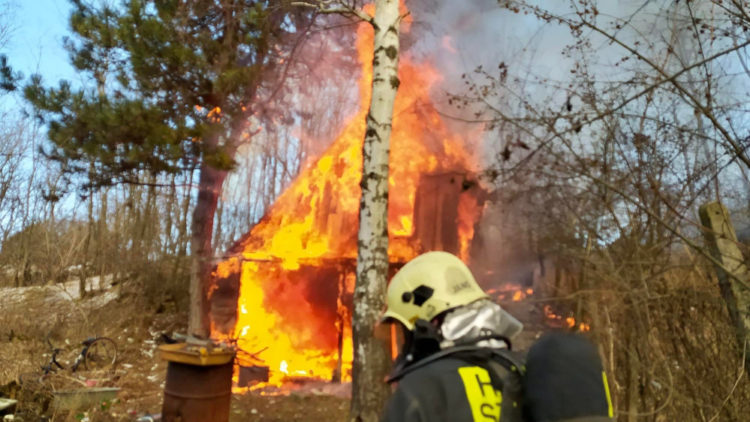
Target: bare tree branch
{"points": [[335, 7]]}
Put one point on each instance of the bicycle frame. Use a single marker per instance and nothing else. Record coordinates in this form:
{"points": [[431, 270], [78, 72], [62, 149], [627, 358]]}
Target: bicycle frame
{"points": [[53, 364]]}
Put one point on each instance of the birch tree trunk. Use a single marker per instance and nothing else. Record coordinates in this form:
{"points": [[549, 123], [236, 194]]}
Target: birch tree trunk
{"points": [[371, 357]]}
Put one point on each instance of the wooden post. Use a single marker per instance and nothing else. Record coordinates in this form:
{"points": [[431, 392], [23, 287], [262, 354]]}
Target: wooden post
{"points": [[340, 322], [733, 274]]}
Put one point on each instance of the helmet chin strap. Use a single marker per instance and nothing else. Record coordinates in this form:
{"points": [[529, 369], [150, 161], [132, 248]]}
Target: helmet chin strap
{"points": [[419, 343]]}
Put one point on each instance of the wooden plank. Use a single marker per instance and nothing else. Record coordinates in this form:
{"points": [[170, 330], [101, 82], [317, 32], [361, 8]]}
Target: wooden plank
{"points": [[733, 273], [436, 211]]}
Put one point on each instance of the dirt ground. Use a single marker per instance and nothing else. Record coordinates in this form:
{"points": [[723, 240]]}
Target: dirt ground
{"points": [[31, 315], [294, 407]]}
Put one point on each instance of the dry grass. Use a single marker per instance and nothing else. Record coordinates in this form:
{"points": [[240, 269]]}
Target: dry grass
{"points": [[32, 315], [666, 336]]}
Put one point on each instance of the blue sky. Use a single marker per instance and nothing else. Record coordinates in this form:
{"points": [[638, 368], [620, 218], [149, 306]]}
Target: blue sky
{"points": [[35, 43]]}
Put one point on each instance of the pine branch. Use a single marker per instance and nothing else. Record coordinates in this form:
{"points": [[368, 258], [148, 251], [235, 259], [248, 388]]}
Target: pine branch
{"points": [[330, 7]]}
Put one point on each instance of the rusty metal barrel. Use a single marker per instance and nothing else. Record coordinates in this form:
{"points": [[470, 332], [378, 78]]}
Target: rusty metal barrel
{"points": [[198, 385]]}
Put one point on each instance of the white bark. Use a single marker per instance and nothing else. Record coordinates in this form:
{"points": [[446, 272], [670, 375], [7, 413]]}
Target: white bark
{"points": [[371, 358]]}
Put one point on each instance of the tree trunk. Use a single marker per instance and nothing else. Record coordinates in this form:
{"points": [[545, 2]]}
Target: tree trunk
{"points": [[182, 239], [371, 352], [209, 189], [149, 227], [83, 272], [102, 247], [217, 231]]}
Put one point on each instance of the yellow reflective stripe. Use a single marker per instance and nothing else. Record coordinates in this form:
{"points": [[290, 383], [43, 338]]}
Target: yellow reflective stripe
{"points": [[484, 400], [611, 410]]}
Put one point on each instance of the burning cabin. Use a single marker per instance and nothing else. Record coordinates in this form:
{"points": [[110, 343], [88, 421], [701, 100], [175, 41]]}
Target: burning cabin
{"points": [[285, 291]]}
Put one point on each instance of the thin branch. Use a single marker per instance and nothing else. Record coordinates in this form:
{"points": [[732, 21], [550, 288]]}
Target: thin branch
{"points": [[667, 226], [329, 7], [673, 80], [557, 135], [666, 78], [736, 383]]}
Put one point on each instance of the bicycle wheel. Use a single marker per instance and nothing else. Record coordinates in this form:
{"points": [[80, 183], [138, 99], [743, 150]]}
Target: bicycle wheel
{"points": [[101, 354]]}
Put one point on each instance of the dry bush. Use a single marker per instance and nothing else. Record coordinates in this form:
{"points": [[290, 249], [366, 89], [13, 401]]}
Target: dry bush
{"points": [[666, 337], [161, 285]]}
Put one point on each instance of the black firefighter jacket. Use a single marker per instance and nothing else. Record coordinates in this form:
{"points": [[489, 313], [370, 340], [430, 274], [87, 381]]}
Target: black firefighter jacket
{"points": [[450, 389]]}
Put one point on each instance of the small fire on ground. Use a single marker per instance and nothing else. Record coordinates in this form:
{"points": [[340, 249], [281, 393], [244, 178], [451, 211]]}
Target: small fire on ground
{"points": [[510, 291], [513, 292], [559, 321]]}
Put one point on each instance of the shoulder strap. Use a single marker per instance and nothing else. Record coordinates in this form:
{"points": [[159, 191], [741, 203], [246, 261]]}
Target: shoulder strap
{"points": [[507, 358], [509, 369], [512, 360]]}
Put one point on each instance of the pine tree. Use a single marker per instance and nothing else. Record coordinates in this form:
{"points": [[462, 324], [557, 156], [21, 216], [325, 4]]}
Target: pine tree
{"points": [[173, 86]]}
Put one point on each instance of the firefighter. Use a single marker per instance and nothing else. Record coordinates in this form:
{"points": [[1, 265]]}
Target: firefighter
{"points": [[454, 362]]}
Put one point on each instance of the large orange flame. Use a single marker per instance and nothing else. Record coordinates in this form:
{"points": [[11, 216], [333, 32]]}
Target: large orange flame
{"points": [[300, 255]]}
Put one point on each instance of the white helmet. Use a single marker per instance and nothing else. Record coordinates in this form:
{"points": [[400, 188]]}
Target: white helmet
{"points": [[428, 285]]}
